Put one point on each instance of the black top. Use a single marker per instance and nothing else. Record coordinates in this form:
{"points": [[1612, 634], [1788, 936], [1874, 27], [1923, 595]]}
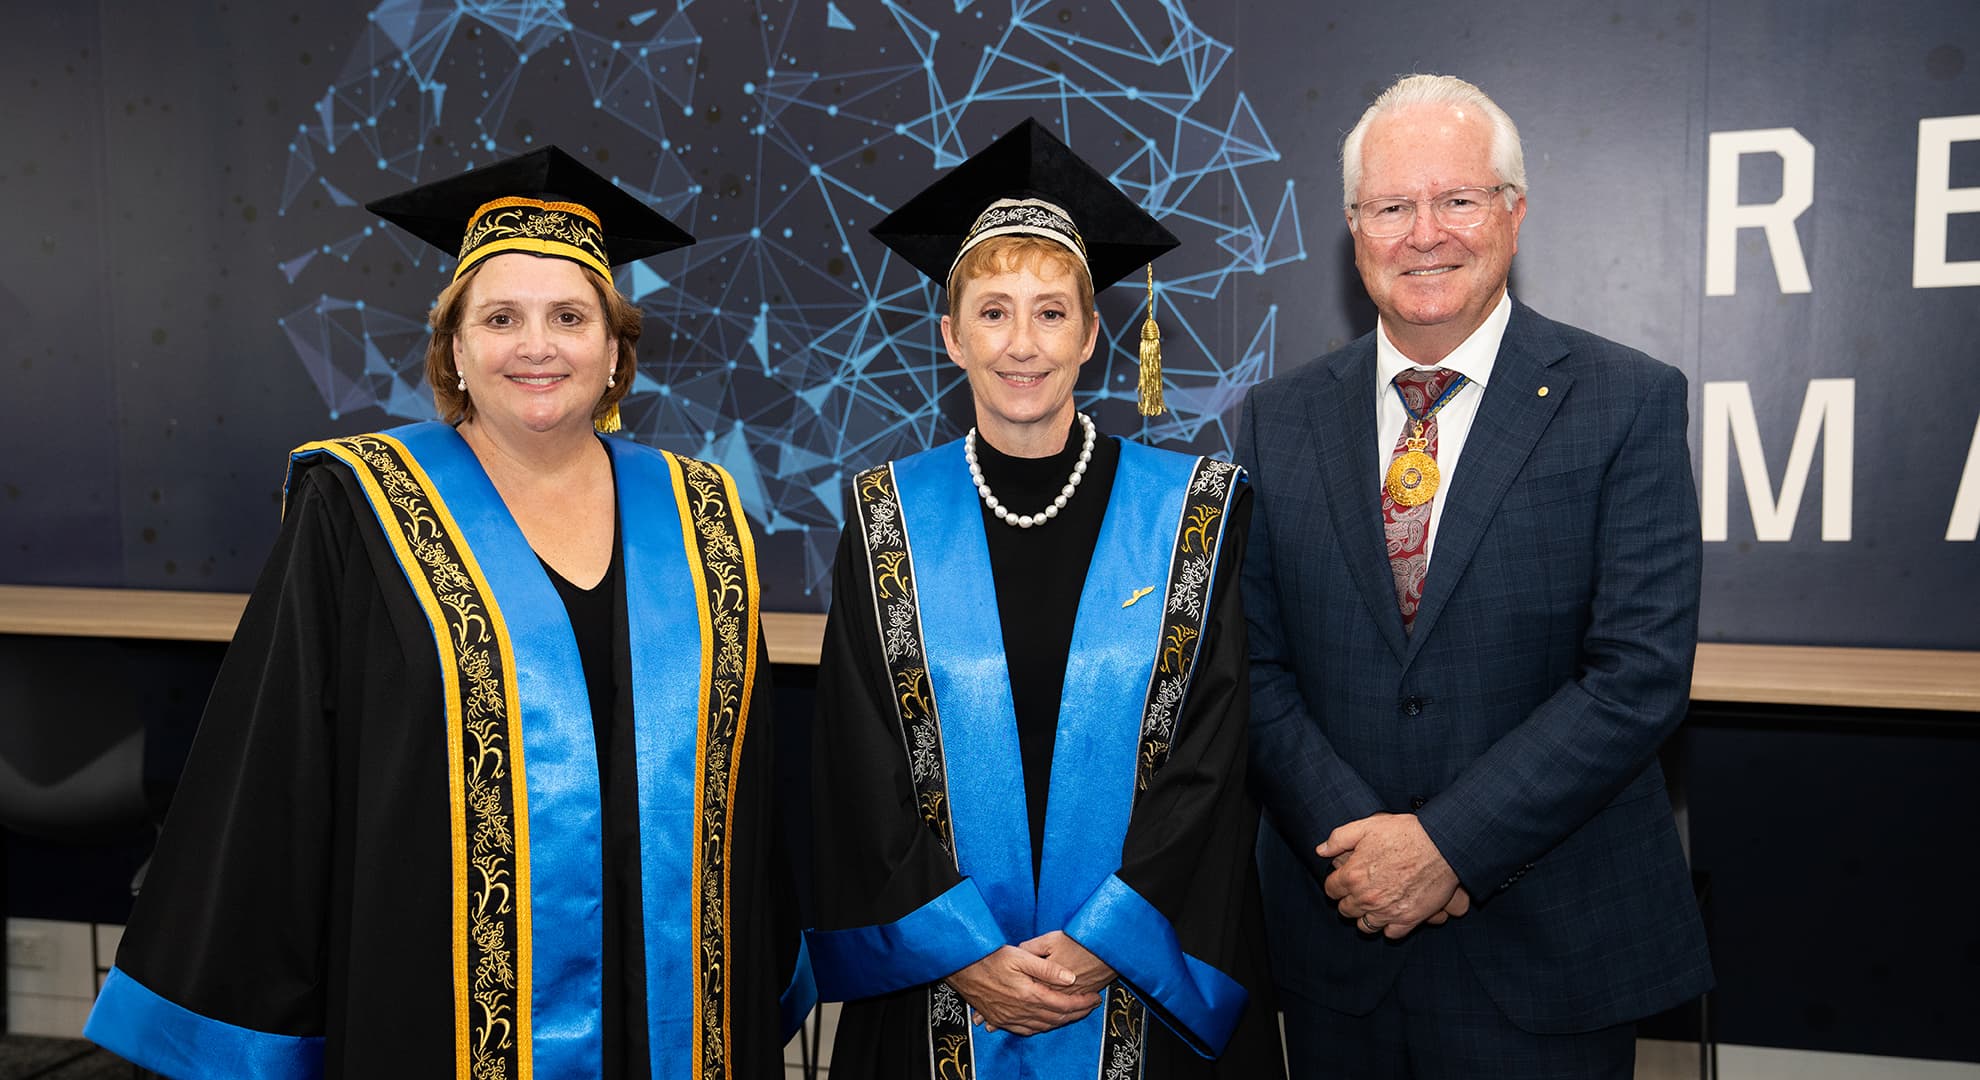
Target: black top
{"points": [[1040, 573], [590, 611]]}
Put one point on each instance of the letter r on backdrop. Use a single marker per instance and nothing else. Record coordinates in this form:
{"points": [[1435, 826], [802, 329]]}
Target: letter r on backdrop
{"points": [[1725, 215]]}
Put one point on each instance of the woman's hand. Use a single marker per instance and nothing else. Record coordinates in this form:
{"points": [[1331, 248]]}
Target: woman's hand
{"points": [[1017, 991], [1090, 973]]}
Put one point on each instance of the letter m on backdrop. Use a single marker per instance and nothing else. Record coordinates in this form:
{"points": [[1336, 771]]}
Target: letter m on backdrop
{"points": [[1828, 415]]}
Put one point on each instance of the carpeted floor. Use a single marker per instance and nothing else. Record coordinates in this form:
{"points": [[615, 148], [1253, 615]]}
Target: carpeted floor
{"points": [[28, 1057]]}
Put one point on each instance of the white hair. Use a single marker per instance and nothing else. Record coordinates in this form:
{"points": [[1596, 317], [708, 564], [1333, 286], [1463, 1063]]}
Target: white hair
{"points": [[1508, 159]]}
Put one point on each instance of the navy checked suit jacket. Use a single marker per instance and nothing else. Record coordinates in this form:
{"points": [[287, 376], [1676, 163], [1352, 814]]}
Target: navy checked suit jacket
{"points": [[1521, 718]]}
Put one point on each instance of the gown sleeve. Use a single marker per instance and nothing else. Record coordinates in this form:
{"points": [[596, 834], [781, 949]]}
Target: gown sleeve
{"points": [[222, 970], [789, 961], [892, 910], [772, 977], [1180, 920]]}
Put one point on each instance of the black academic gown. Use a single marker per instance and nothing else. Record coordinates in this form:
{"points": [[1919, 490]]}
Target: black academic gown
{"points": [[301, 885], [1188, 848]]}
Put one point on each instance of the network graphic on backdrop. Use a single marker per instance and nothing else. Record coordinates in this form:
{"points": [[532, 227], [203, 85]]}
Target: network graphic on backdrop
{"points": [[785, 344]]}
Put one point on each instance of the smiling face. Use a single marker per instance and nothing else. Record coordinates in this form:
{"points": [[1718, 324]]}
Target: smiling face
{"points": [[1433, 285], [1021, 334], [533, 344]]}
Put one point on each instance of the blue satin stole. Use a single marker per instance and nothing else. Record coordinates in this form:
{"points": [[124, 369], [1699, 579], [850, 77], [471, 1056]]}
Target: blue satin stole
{"points": [[566, 886], [1114, 649], [560, 750], [665, 601]]}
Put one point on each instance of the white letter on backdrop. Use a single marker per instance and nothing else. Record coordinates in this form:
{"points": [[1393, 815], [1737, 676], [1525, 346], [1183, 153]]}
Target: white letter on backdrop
{"points": [[1725, 215], [1937, 200], [1828, 411], [1965, 523]]}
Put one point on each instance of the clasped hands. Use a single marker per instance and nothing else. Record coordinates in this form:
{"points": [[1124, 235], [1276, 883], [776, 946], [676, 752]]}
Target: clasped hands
{"points": [[1389, 877], [1034, 986]]}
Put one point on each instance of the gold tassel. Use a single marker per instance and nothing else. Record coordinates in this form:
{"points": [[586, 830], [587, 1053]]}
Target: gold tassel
{"points": [[610, 421], [1149, 400]]}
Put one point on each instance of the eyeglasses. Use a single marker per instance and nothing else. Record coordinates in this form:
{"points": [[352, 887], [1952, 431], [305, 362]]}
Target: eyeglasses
{"points": [[1458, 208]]}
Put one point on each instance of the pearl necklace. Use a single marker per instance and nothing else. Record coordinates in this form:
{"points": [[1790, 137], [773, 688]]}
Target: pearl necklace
{"points": [[1026, 521]]}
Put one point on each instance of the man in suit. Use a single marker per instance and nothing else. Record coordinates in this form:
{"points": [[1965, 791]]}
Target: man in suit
{"points": [[1472, 593]]}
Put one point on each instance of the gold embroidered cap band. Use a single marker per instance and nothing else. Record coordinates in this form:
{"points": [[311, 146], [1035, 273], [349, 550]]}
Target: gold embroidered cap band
{"points": [[535, 226], [545, 203]]}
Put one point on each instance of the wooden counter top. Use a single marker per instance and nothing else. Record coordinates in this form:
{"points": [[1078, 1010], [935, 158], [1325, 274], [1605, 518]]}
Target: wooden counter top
{"points": [[1853, 678], [120, 613], [1765, 674], [794, 638]]}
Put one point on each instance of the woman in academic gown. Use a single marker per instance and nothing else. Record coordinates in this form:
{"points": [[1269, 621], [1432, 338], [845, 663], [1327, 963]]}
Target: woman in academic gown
{"points": [[1033, 841], [483, 788]]}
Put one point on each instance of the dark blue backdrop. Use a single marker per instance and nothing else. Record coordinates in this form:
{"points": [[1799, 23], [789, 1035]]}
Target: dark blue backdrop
{"points": [[193, 289]]}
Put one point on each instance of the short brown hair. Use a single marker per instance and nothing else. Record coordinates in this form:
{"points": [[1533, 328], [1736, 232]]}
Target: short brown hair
{"points": [[622, 321], [1003, 254]]}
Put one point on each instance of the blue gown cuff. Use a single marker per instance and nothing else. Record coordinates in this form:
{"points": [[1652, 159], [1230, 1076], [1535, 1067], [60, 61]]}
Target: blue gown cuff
{"points": [[1198, 1002], [935, 940], [801, 996], [134, 1023]]}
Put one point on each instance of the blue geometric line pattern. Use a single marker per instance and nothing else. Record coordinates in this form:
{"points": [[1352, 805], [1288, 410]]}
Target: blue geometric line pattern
{"points": [[787, 344]]}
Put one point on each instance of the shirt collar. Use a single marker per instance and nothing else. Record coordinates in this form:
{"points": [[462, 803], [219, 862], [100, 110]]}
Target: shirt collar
{"points": [[1473, 358]]}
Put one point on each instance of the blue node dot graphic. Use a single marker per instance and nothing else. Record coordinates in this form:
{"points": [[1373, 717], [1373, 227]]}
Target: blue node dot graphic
{"points": [[792, 366]]}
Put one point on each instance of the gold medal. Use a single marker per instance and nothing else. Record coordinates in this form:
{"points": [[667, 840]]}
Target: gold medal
{"points": [[1413, 475]]}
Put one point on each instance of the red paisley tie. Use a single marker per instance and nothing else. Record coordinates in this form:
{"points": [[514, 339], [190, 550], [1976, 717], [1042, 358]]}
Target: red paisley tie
{"points": [[1407, 528]]}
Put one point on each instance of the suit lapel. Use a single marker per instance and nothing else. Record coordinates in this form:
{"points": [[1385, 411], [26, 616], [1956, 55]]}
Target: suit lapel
{"points": [[1344, 427], [1509, 422]]}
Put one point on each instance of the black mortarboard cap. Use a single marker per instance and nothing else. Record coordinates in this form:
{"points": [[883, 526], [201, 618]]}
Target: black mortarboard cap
{"points": [[545, 202], [1028, 162]]}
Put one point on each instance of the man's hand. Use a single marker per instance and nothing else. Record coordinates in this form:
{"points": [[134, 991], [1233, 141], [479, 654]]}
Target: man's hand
{"points": [[1460, 903], [1022, 993], [1388, 875], [1090, 973]]}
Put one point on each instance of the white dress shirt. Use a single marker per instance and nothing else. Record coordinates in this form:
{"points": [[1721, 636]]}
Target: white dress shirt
{"points": [[1473, 358]]}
